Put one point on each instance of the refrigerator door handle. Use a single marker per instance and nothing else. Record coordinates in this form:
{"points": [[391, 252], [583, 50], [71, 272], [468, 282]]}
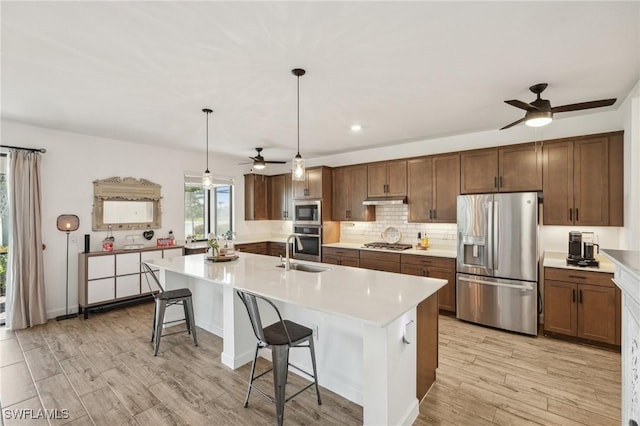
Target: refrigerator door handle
{"points": [[519, 287], [496, 237], [490, 241]]}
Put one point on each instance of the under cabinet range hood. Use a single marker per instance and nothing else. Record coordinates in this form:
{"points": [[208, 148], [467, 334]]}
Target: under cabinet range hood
{"points": [[378, 201]]}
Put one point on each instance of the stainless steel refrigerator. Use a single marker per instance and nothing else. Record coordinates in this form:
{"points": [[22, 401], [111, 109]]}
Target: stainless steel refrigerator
{"points": [[497, 263]]}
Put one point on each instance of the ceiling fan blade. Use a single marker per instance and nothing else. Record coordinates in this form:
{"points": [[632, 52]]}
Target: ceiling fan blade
{"points": [[522, 105], [584, 105], [275, 162], [513, 124]]}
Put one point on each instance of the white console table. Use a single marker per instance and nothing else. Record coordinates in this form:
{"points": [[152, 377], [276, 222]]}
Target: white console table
{"points": [[627, 278]]}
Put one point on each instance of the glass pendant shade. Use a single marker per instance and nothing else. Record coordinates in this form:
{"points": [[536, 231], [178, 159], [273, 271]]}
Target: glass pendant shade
{"points": [[206, 179], [297, 169]]}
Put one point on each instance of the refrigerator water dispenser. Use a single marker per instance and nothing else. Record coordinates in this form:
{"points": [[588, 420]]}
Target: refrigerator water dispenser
{"points": [[474, 250]]}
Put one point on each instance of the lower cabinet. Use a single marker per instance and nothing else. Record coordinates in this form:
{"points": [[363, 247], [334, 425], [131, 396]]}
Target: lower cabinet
{"points": [[340, 256], [434, 267], [380, 261], [278, 249], [581, 304], [112, 277], [255, 248]]}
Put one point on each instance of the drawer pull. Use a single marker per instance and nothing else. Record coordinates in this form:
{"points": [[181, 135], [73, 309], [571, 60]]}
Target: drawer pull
{"points": [[578, 277]]}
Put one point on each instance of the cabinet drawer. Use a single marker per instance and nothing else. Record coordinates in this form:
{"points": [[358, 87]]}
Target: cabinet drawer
{"points": [[101, 266], [169, 253], [579, 277], [100, 290], [128, 285], [150, 255], [380, 265], [333, 251], [439, 262], [377, 255], [127, 263]]}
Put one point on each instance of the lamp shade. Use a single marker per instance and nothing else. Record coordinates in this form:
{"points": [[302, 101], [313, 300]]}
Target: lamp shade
{"points": [[68, 222]]}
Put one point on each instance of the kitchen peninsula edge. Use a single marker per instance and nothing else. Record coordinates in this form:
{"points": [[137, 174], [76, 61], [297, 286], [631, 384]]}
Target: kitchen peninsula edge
{"points": [[359, 318]]}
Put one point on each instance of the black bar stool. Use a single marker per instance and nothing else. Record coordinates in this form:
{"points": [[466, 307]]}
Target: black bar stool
{"points": [[181, 296], [279, 336]]}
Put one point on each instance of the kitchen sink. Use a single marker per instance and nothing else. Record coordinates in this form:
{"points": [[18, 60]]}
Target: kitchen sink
{"points": [[305, 268]]}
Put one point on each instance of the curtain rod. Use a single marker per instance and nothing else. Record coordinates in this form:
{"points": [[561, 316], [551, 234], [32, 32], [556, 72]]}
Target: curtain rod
{"points": [[42, 150]]}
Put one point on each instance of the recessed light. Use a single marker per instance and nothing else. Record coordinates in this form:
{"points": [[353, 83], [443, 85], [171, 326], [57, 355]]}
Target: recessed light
{"points": [[356, 128]]}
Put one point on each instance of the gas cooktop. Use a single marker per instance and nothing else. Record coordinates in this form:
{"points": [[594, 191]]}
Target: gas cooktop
{"points": [[388, 246]]}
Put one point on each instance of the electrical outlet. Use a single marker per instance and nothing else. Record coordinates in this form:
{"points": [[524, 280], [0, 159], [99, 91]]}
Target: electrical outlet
{"points": [[73, 239]]}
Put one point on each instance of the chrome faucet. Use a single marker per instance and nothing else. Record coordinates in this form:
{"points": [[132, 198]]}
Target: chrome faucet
{"points": [[287, 264]]}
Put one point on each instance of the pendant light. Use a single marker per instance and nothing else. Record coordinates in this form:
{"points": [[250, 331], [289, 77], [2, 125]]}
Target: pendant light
{"points": [[297, 169], [206, 176]]}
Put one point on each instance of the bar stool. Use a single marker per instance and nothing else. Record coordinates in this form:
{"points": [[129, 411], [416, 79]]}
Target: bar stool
{"points": [[163, 299], [279, 336]]}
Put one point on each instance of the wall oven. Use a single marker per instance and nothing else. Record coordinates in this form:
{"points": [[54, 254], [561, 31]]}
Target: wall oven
{"points": [[311, 239], [307, 212]]}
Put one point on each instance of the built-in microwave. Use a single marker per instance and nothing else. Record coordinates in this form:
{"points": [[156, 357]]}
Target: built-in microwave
{"points": [[307, 212]]}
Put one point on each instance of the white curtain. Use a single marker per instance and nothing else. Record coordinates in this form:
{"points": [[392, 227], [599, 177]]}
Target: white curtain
{"points": [[26, 294]]}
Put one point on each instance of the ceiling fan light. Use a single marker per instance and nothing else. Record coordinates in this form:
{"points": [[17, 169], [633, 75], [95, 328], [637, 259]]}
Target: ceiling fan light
{"points": [[259, 165], [297, 169], [538, 118]]}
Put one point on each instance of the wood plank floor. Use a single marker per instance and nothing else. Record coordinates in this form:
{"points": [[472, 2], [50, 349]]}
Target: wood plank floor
{"points": [[102, 370]]}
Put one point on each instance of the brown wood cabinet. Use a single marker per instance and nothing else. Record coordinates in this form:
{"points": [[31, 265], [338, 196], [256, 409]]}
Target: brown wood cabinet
{"points": [[510, 168], [316, 184], [388, 178], [380, 261], [581, 304], [583, 181], [281, 197], [433, 186], [341, 256], [255, 248], [255, 197], [434, 267], [349, 191], [278, 249]]}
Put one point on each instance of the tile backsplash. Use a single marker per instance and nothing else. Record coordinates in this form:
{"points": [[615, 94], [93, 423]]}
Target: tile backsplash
{"points": [[396, 216]]}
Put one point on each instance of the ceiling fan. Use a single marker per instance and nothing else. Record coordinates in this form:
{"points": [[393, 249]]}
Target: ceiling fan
{"points": [[260, 163], [540, 112]]}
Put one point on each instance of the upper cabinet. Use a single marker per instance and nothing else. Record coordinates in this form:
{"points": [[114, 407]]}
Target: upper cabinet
{"points": [[255, 197], [507, 169], [388, 178], [349, 191], [280, 197], [583, 181], [316, 184], [434, 184]]}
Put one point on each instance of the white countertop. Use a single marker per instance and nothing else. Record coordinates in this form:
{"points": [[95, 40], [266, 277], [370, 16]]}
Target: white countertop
{"points": [[372, 297], [431, 251], [628, 259], [558, 259]]}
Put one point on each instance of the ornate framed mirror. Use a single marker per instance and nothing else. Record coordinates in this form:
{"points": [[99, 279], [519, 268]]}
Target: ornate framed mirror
{"points": [[126, 203]]}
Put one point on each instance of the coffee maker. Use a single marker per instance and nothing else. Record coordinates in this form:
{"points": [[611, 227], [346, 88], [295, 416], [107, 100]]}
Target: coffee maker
{"points": [[578, 257]]}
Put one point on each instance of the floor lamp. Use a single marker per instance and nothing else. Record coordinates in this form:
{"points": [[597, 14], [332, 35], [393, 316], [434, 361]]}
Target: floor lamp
{"points": [[67, 223]]}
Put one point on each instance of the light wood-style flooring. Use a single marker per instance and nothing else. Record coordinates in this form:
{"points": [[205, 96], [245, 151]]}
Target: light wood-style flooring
{"points": [[103, 371]]}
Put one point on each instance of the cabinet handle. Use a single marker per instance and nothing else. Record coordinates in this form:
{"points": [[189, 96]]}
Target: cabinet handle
{"points": [[574, 295], [434, 214], [580, 296], [500, 181], [577, 215], [495, 181], [578, 277], [570, 214]]}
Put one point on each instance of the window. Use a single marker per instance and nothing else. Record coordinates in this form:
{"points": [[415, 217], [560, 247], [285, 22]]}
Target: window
{"points": [[4, 234], [207, 211]]}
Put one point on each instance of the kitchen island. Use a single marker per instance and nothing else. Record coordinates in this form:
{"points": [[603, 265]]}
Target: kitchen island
{"points": [[627, 278], [364, 323]]}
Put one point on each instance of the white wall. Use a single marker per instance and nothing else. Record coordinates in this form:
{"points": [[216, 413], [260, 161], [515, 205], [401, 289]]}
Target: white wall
{"points": [[70, 165], [631, 123]]}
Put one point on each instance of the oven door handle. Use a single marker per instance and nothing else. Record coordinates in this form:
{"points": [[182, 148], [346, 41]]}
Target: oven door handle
{"points": [[307, 235]]}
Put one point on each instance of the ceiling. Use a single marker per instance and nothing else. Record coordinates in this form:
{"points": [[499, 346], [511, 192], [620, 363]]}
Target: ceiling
{"points": [[406, 71]]}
